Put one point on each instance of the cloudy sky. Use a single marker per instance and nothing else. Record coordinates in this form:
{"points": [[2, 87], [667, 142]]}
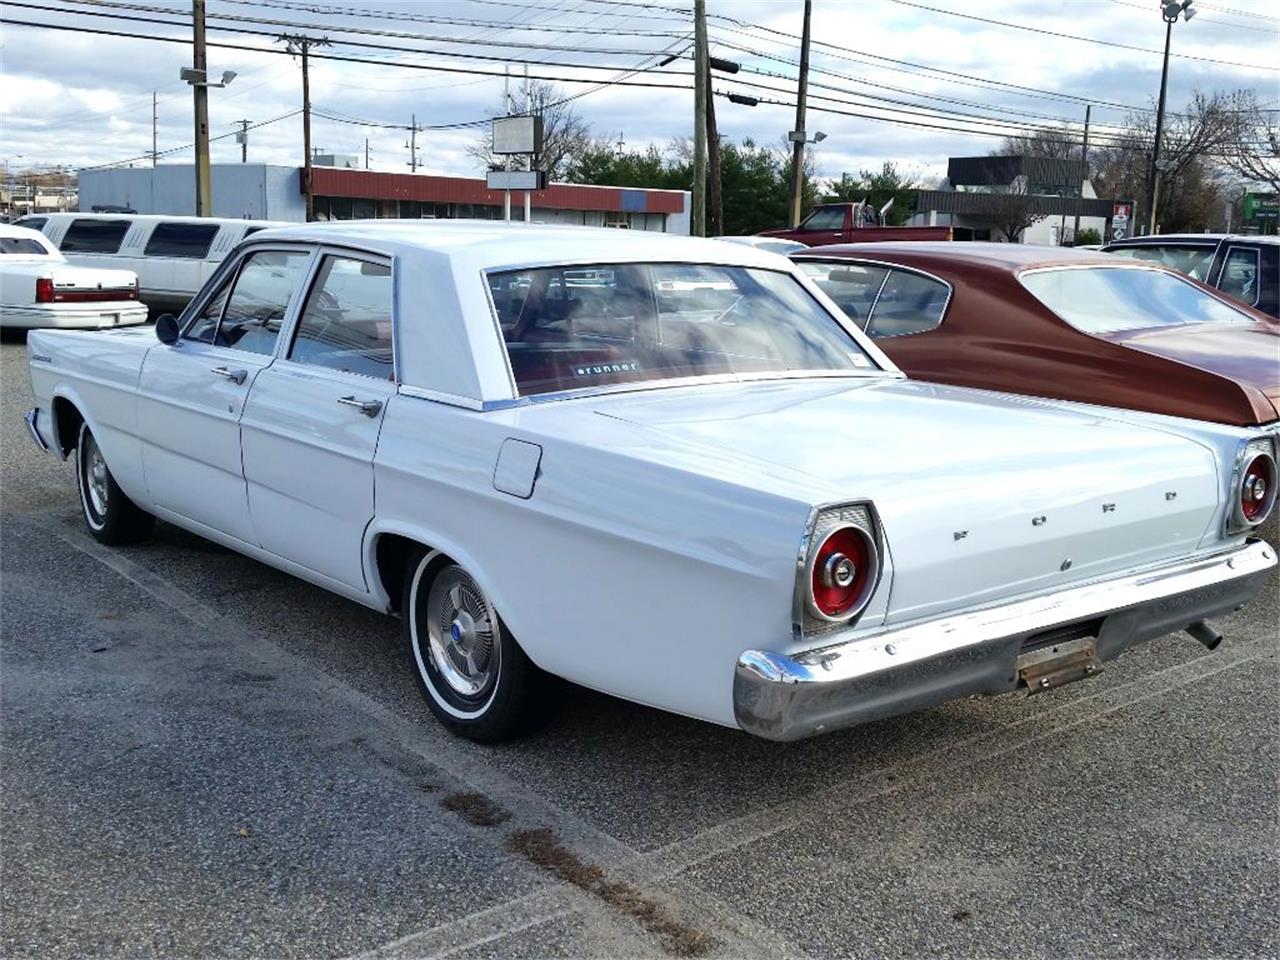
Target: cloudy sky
{"points": [[908, 82]]}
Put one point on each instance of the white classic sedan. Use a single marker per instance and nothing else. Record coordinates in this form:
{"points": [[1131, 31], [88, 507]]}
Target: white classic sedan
{"points": [[666, 468], [38, 288]]}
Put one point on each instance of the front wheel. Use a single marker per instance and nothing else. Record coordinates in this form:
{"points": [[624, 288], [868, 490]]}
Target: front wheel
{"points": [[473, 674], [109, 514]]}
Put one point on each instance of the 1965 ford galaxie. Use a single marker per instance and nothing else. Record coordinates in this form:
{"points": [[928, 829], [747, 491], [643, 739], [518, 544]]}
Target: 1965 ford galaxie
{"points": [[665, 468]]}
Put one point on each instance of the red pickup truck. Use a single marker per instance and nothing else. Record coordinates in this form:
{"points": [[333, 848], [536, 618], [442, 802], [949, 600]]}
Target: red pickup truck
{"points": [[859, 223]]}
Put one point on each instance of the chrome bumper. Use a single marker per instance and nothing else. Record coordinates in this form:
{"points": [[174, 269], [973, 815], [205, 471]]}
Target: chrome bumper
{"points": [[32, 416], [783, 697]]}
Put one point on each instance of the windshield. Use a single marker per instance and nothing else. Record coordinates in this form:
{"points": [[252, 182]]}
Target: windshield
{"points": [[1107, 299], [572, 327]]}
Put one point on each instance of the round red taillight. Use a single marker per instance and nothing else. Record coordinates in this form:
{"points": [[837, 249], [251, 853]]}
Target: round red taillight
{"points": [[842, 573], [1258, 488]]}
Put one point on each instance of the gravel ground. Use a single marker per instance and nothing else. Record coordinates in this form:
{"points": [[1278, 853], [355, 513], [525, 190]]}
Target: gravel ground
{"points": [[204, 757]]}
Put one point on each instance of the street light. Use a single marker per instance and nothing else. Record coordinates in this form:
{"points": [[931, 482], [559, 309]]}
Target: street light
{"points": [[200, 78], [799, 136], [1170, 11]]}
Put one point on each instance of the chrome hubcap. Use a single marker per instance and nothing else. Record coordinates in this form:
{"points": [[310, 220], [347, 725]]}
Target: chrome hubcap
{"points": [[462, 631], [95, 469]]}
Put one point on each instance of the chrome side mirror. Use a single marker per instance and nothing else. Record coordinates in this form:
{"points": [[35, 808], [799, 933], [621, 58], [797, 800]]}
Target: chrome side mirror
{"points": [[167, 329]]}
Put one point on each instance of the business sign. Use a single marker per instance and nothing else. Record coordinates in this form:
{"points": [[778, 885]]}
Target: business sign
{"points": [[1261, 206], [1121, 215], [517, 135], [516, 180]]}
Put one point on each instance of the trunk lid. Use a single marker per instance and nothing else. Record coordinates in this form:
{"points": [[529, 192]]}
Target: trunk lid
{"points": [[981, 496]]}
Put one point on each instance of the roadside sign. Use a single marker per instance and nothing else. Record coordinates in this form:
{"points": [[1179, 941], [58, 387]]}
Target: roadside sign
{"points": [[517, 135], [1120, 218], [516, 179]]}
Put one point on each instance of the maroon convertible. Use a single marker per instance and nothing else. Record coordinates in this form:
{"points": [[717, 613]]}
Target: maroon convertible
{"points": [[1056, 322]]}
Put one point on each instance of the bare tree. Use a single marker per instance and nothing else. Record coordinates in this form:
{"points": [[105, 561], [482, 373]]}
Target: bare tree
{"points": [[1061, 143], [1013, 212], [565, 135], [1253, 153]]}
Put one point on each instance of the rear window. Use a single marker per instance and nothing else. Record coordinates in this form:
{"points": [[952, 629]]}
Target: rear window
{"points": [[1107, 299], [572, 327], [22, 246], [94, 236], [189, 240]]}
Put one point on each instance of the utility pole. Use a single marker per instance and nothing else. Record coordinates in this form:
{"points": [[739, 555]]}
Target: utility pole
{"points": [[715, 203], [300, 45], [243, 138], [366, 153], [413, 143], [701, 68], [797, 148], [1084, 158], [200, 62], [1153, 187], [155, 150]]}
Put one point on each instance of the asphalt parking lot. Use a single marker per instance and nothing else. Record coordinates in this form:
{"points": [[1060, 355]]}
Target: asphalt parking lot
{"points": [[204, 757]]}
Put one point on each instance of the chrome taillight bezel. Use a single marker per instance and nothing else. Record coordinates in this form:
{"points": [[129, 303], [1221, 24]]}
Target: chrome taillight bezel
{"points": [[808, 620], [1269, 448]]}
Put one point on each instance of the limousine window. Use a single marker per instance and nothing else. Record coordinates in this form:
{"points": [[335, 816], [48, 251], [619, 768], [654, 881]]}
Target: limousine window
{"points": [[95, 236], [31, 223], [189, 240]]}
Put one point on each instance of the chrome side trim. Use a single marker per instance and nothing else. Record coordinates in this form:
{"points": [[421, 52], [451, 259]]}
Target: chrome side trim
{"points": [[788, 697], [452, 399], [31, 418]]}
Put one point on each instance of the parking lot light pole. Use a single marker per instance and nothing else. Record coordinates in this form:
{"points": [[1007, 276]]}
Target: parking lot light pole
{"points": [[1170, 12]]}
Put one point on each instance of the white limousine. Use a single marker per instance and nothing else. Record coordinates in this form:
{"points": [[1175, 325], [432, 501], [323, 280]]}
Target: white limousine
{"points": [[666, 468], [172, 256]]}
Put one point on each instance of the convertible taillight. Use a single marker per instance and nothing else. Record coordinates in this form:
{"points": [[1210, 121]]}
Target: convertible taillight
{"points": [[1258, 488], [1255, 486], [843, 569]]}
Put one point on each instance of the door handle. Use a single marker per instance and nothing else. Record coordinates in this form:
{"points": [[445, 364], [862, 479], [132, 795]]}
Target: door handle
{"points": [[236, 376], [369, 408]]}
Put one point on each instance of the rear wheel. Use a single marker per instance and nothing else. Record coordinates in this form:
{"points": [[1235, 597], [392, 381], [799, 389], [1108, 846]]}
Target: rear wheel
{"points": [[473, 674], [111, 516]]}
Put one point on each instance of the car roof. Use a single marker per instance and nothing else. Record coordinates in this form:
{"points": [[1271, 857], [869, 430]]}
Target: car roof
{"points": [[21, 233], [154, 218], [1012, 257], [496, 243]]}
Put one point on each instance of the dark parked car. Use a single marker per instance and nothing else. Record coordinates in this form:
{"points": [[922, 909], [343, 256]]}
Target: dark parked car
{"points": [[1246, 268], [1057, 322]]}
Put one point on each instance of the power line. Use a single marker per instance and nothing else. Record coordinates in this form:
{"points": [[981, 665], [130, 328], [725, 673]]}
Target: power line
{"points": [[188, 146], [1203, 19], [1069, 36]]}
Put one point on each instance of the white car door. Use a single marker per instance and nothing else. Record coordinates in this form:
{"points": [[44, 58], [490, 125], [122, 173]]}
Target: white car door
{"points": [[191, 394], [310, 427]]}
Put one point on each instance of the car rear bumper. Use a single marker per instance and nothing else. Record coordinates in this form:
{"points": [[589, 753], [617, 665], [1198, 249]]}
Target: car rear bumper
{"points": [[995, 650], [81, 316]]}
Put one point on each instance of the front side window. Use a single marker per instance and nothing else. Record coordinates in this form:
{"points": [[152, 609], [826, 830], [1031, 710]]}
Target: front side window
{"points": [[22, 246], [571, 327], [1193, 259], [346, 323], [908, 303], [247, 313], [94, 236], [1107, 299], [825, 218], [1239, 278], [853, 286], [186, 240]]}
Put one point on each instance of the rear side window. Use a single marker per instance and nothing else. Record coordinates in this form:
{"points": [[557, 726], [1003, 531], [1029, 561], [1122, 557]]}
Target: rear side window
{"points": [[908, 303], [188, 240], [22, 246], [346, 324], [1192, 259], [94, 236], [853, 286], [1240, 275]]}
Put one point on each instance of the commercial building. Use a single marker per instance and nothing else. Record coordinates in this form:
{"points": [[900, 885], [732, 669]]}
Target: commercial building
{"points": [[987, 194], [268, 192]]}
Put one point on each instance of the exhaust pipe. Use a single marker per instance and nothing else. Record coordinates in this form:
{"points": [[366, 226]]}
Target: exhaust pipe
{"points": [[1205, 634]]}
